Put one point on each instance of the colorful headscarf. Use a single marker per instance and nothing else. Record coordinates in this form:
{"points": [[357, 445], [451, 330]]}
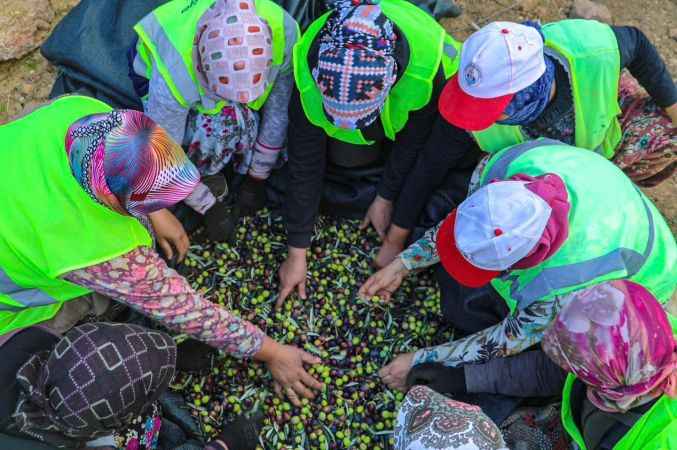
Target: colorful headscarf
{"points": [[529, 103], [96, 380], [127, 162], [356, 64], [428, 420], [233, 51], [616, 338]]}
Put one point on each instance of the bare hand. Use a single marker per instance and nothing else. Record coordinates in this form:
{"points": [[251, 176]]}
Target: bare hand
{"points": [[378, 215], [385, 282], [291, 378], [170, 234], [292, 275], [393, 244], [394, 375]]}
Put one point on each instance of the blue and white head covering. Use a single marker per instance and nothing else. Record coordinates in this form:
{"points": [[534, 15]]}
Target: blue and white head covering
{"points": [[356, 64]]}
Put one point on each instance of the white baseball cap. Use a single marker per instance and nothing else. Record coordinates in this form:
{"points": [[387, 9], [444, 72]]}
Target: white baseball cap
{"points": [[497, 61], [490, 231]]}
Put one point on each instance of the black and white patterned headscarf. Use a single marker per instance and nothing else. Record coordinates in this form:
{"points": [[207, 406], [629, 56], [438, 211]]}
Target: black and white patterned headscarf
{"points": [[95, 381]]}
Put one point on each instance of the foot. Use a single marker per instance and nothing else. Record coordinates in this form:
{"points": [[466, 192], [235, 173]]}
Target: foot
{"points": [[221, 220]]}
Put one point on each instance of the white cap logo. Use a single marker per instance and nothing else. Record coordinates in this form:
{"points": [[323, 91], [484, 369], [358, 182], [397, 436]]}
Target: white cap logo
{"points": [[472, 75]]}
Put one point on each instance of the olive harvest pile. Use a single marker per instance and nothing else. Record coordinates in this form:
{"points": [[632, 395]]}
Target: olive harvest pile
{"points": [[353, 337]]}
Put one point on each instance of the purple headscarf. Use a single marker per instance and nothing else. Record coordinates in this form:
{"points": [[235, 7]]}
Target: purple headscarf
{"points": [[617, 339]]}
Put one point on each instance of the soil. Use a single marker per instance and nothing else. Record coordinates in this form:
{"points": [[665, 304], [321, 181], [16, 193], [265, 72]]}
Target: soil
{"points": [[27, 82]]}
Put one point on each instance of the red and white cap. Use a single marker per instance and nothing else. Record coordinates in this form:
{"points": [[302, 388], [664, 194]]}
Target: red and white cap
{"points": [[490, 231], [497, 61]]}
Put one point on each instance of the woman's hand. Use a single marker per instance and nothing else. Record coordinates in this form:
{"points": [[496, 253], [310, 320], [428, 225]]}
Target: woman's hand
{"points": [[394, 375], [293, 275], [672, 112], [393, 244], [170, 234], [386, 281], [378, 215], [285, 363]]}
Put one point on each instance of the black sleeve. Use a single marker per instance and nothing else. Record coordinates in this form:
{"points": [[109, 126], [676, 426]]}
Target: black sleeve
{"points": [[444, 150], [408, 144], [527, 374], [641, 58], [307, 147]]}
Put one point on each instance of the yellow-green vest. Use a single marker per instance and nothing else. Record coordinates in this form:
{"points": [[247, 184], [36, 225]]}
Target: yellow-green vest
{"points": [[655, 430], [589, 51], [166, 38], [615, 231], [48, 224], [429, 46]]}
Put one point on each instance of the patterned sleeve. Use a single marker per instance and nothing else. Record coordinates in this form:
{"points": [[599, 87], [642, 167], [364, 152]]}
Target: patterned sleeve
{"points": [[142, 280], [422, 253], [514, 334]]}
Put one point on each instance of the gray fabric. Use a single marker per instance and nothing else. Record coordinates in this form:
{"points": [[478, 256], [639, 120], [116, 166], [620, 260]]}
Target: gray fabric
{"points": [[528, 374]]}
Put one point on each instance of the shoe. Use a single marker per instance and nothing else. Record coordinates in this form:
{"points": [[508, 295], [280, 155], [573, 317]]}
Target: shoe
{"points": [[221, 221]]}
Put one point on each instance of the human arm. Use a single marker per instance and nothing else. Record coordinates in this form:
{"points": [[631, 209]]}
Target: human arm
{"points": [[644, 62], [514, 334], [141, 280], [162, 107]]}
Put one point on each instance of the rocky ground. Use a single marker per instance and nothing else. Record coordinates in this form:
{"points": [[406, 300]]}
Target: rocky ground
{"points": [[26, 78]]}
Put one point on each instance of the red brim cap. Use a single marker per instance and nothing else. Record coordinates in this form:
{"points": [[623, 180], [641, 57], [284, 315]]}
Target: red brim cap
{"points": [[468, 112], [453, 261]]}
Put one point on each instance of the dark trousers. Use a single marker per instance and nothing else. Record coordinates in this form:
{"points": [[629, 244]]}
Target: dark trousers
{"points": [[498, 386]]}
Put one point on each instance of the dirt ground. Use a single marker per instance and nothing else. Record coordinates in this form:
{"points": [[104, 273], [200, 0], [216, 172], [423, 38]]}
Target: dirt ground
{"points": [[27, 81]]}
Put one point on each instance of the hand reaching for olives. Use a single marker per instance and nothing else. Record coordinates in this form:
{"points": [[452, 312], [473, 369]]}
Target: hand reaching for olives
{"points": [[394, 375], [385, 282]]}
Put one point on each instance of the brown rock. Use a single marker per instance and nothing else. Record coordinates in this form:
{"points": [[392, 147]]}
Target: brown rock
{"points": [[24, 24], [673, 33], [586, 9]]}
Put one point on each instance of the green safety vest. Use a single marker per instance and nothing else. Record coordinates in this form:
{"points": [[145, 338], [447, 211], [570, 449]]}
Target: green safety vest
{"points": [[589, 51], [48, 224], [615, 231], [429, 46], [656, 430], [166, 38]]}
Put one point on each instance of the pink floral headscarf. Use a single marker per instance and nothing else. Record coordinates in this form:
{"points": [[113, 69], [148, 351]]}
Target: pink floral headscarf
{"points": [[233, 51], [616, 338]]}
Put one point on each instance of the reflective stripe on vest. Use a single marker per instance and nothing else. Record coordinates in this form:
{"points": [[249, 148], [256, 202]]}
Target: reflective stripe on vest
{"points": [[430, 47], [589, 52], [156, 49], [27, 297], [522, 288]]}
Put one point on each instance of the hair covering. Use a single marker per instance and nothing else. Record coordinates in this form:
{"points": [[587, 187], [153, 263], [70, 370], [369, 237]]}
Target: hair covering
{"points": [[233, 51], [127, 162], [356, 65], [530, 102], [617, 339], [96, 380], [428, 420]]}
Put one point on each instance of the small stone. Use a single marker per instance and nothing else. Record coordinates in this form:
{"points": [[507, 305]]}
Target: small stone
{"points": [[673, 33], [586, 9], [24, 24]]}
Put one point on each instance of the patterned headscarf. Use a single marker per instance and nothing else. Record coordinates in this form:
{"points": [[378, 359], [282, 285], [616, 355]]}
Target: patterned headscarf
{"points": [[127, 162], [428, 420], [356, 65], [528, 104], [95, 381], [233, 51], [617, 339]]}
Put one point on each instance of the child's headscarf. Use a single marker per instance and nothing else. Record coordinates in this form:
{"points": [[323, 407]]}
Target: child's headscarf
{"points": [[233, 51], [128, 163], [356, 64], [617, 339]]}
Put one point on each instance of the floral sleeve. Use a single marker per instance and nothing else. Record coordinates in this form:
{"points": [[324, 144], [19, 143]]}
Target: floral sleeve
{"points": [[517, 332], [422, 253], [142, 280]]}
